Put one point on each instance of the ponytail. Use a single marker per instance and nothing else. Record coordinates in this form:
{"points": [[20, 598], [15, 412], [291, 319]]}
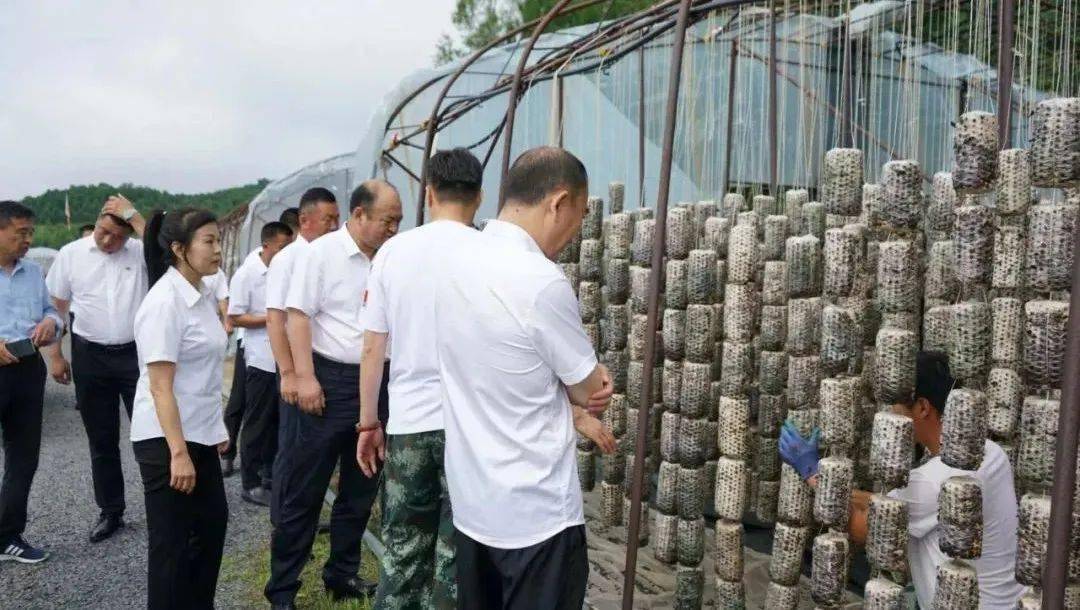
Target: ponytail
{"points": [[165, 229]]}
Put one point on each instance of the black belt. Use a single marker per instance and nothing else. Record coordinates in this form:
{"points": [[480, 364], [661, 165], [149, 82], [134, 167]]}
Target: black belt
{"points": [[119, 347], [333, 365]]}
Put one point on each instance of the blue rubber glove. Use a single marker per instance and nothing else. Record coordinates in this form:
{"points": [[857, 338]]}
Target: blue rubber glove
{"points": [[800, 453]]}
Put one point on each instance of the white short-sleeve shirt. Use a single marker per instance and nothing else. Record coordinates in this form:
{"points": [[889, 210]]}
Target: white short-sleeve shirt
{"points": [[328, 287], [218, 285], [998, 589], [280, 276], [510, 340], [248, 296], [105, 290], [178, 323], [400, 301]]}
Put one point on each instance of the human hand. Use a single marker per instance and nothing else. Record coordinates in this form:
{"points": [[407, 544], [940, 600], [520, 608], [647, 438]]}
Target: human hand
{"points": [[60, 370], [44, 333], [800, 453], [288, 388], [309, 395], [223, 447], [370, 451], [598, 402], [182, 473], [117, 205], [595, 430], [5, 356]]}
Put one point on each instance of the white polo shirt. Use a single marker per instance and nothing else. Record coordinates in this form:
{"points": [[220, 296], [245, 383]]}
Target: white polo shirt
{"points": [[177, 323], [998, 589], [248, 296], [509, 340], [105, 290], [400, 300], [280, 275], [330, 278]]}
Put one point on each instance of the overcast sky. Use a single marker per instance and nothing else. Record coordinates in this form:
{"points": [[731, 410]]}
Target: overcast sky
{"points": [[196, 95]]}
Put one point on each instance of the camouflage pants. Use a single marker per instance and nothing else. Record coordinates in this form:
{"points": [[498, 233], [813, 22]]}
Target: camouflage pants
{"points": [[417, 530]]}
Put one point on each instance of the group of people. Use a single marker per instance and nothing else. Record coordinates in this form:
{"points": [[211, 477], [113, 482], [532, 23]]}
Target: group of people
{"points": [[445, 365]]}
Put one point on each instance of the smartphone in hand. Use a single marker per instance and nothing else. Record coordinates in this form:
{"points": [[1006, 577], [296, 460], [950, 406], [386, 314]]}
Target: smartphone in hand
{"points": [[22, 349]]}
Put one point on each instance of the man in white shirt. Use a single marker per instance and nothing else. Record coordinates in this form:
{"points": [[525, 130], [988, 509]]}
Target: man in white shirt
{"points": [[247, 311], [998, 589], [234, 409], [326, 338], [513, 357], [103, 277], [318, 215]]}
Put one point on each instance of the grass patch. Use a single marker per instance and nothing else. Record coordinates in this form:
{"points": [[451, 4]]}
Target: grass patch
{"points": [[252, 569]]}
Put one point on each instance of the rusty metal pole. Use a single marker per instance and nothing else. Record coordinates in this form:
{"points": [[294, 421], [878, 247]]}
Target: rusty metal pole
{"points": [[659, 239], [1006, 39], [773, 134], [1061, 496], [729, 134], [432, 126], [515, 91]]}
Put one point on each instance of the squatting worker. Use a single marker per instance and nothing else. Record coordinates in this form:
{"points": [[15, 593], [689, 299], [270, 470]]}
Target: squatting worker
{"points": [[234, 409], [318, 215], [247, 311], [177, 429], [103, 277], [326, 340], [998, 589], [417, 567], [25, 313], [513, 357]]}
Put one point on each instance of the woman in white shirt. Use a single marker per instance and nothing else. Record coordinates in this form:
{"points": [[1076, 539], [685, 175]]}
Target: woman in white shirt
{"points": [[177, 428]]}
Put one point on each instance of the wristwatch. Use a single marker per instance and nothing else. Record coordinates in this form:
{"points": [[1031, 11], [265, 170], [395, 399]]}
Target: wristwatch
{"points": [[362, 428], [128, 214]]}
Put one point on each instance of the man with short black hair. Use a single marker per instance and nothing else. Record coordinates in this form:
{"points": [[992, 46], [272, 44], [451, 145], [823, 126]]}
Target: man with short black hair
{"points": [[291, 217], [326, 339], [258, 417], [998, 589], [86, 230], [28, 321], [102, 278], [318, 215], [513, 358]]}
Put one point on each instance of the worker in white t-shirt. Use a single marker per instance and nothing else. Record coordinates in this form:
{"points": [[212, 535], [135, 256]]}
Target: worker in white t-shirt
{"points": [[998, 589], [513, 357]]}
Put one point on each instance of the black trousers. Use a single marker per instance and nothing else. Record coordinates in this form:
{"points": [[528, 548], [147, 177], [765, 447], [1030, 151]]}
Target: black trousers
{"points": [[186, 532], [22, 392], [258, 437], [550, 575], [319, 444], [234, 409], [288, 413], [105, 376]]}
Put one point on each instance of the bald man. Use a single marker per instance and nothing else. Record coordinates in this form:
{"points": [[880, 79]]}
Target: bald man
{"points": [[326, 339]]}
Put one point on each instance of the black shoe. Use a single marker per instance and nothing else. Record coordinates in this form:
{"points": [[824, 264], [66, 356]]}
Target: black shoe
{"points": [[20, 550], [227, 468], [257, 495], [105, 527], [351, 588], [283, 606]]}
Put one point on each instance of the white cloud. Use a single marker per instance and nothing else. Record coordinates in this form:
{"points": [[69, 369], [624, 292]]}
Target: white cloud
{"points": [[196, 95]]}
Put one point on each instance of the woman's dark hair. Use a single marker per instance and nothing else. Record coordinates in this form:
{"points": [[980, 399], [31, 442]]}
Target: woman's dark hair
{"points": [[166, 228]]}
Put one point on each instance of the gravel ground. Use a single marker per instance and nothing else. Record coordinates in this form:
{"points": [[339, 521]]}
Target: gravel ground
{"points": [[110, 575]]}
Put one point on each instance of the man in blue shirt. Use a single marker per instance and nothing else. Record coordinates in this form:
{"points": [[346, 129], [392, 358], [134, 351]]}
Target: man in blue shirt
{"points": [[25, 313]]}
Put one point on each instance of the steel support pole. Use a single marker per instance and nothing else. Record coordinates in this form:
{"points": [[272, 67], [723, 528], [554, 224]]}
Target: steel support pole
{"points": [[847, 106], [1006, 39], [659, 239], [729, 132], [515, 92], [773, 134], [432, 126], [1061, 496]]}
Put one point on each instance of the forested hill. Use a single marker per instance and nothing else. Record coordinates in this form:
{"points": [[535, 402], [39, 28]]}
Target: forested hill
{"points": [[86, 200]]}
